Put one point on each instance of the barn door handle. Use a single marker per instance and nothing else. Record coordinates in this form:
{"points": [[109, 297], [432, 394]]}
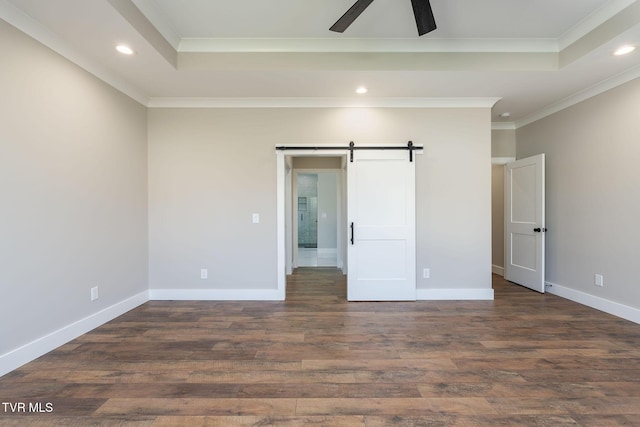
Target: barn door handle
{"points": [[352, 233]]}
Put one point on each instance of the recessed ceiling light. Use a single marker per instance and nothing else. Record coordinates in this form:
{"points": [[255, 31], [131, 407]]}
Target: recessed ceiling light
{"points": [[124, 49], [623, 50], [361, 90]]}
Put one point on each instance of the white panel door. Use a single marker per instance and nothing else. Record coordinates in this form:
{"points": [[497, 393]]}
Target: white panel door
{"points": [[381, 218], [524, 222]]}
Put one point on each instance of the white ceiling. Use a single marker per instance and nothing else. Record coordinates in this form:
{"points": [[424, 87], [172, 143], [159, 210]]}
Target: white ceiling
{"points": [[383, 18], [535, 56]]}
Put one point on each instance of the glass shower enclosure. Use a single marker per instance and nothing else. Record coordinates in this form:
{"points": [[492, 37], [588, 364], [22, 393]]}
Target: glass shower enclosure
{"points": [[308, 211]]}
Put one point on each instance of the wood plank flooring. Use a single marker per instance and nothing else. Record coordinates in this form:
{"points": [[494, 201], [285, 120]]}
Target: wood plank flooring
{"points": [[525, 359]]}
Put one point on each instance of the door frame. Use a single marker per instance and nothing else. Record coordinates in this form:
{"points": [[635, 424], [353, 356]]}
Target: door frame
{"points": [[284, 179], [294, 213]]}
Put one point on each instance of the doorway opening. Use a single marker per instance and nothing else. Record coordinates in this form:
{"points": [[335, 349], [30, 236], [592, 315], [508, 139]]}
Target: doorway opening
{"points": [[315, 212], [287, 166]]}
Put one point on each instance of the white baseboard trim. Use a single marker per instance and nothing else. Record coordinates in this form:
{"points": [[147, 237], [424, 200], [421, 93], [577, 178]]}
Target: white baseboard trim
{"points": [[611, 307], [454, 294], [216, 294], [327, 251], [31, 351], [497, 270]]}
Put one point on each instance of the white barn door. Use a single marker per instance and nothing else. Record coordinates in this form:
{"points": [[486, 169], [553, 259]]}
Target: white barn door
{"points": [[525, 222], [381, 220]]}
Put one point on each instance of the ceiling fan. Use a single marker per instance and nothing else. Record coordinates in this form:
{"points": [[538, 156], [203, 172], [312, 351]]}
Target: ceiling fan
{"points": [[421, 10]]}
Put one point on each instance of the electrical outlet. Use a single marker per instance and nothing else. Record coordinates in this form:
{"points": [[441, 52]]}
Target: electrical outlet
{"points": [[94, 293], [255, 218], [204, 273], [426, 273], [598, 280]]}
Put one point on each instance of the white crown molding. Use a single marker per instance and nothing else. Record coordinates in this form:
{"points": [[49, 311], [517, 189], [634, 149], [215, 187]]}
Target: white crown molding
{"points": [[368, 45], [31, 27], [31, 351], [322, 102], [501, 161], [591, 22], [503, 126], [583, 95]]}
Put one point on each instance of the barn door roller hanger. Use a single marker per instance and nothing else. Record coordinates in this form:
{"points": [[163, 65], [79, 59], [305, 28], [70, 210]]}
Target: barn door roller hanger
{"points": [[352, 147]]}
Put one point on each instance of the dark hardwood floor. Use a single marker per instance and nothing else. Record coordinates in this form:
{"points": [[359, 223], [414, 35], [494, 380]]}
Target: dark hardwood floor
{"points": [[525, 359]]}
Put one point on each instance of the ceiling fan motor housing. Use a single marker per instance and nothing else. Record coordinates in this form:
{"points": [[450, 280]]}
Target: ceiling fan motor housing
{"points": [[425, 20]]}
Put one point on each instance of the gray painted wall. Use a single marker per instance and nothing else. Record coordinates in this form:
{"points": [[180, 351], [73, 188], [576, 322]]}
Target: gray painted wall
{"points": [[210, 169], [73, 192], [317, 163], [503, 143], [328, 211], [593, 192]]}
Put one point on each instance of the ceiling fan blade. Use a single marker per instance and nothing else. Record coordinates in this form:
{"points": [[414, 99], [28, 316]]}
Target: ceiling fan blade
{"points": [[350, 16], [424, 16]]}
